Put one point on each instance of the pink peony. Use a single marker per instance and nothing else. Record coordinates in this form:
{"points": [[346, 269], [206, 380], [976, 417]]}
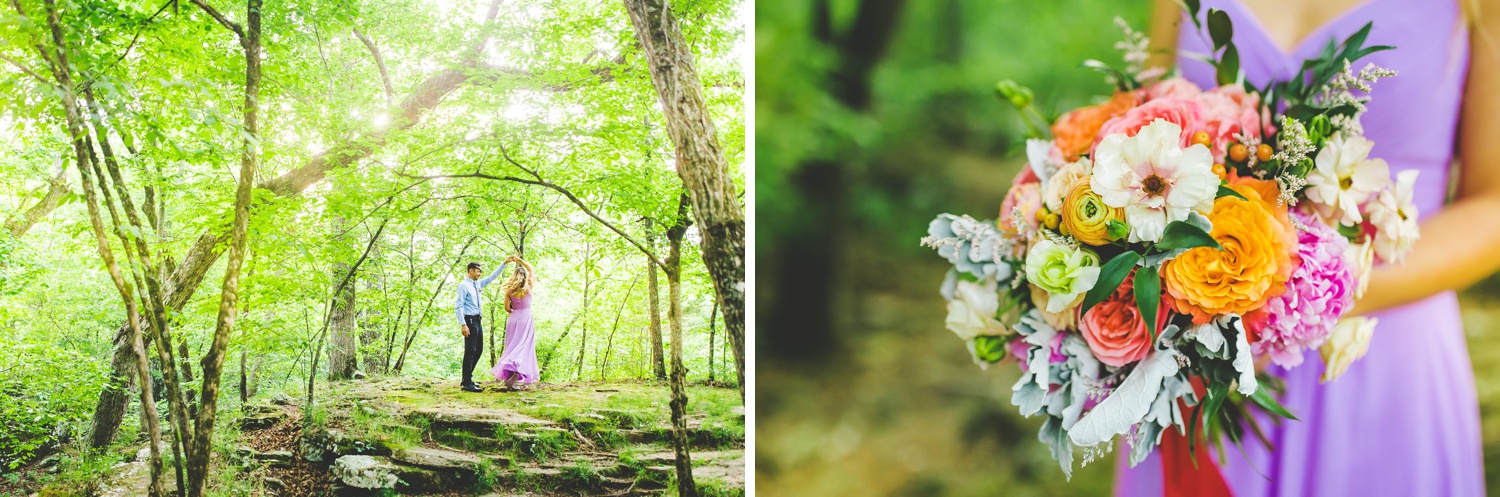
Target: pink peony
{"points": [[1318, 293], [1225, 111], [1175, 87], [1183, 112], [1114, 329]]}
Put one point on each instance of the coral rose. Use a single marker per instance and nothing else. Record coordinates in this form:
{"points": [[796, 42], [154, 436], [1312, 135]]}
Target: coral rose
{"points": [[1258, 257], [1027, 196], [1226, 111], [1074, 132], [1114, 329], [1180, 111], [1086, 217]]}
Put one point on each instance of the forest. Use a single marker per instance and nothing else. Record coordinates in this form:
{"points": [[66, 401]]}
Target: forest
{"points": [[234, 232]]}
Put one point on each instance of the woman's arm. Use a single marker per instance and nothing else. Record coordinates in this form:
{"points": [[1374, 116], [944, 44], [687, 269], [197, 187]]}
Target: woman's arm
{"points": [[1461, 244], [1165, 16]]}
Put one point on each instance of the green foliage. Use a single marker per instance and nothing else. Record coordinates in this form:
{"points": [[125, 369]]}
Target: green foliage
{"points": [[48, 392]]}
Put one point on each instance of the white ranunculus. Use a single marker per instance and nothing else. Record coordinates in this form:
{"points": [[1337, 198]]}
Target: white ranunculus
{"points": [[1058, 186], [1344, 178], [972, 311], [1395, 219], [1362, 258], [1349, 342], [1153, 178]]}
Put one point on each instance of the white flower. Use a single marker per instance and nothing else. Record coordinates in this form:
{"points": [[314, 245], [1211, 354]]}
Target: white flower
{"points": [[1345, 178], [972, 311], [1063, 182], [1153, 178], [1362, 257], [1040, 158], [1349, 342], [1395, 219]]}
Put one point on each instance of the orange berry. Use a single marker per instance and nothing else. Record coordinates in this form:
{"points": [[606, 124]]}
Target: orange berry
{"points": [[1263, 152], [1201, 138], [1220, 171], [1239, 152]]}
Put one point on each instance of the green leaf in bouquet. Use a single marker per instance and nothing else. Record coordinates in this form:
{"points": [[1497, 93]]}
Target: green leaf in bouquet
{"points": [[1225, 191], [1229, 65], [1350, 232], [1262, 397], [1110, 277], [1148, 297], [1214, 399], [1219, 28], [1184, 235], [1118, 230], [989, 348]]}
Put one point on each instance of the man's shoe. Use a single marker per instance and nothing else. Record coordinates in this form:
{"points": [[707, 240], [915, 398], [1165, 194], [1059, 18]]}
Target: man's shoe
{"points": [[472, 388]]}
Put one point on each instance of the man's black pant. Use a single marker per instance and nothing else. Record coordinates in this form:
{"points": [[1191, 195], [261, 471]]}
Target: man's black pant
{"points": [[473, 347]]}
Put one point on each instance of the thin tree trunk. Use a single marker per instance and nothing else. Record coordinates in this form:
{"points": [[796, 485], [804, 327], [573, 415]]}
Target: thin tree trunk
{"points": [[653, 306], [700, 162], [199, 451], [82, 149], [411, 331], [711, 315], [588, 270], [685, 485]]}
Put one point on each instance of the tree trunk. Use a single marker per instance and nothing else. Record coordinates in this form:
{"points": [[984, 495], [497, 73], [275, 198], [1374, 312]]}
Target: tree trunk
{"points": [[370, 317], [82, 150], [199, 451], [654, 306], [609, 345], [685, 485], [588, 270], [700, 162], [344, 328]]}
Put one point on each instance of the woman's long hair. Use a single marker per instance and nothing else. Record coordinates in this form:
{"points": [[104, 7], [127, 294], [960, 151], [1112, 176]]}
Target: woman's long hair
{"points": [[520, 282]]}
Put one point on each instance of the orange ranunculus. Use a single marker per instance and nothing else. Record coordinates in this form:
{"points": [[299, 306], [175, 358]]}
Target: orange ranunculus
{"points": [[1073, 133], [1259, 255]]}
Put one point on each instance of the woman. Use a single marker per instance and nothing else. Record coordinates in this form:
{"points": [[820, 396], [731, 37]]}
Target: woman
{"points": [[1404, 420], [518, 363]]}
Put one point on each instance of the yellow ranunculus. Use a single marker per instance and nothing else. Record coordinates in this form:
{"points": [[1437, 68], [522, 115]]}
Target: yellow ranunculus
{"points": [[1086, 217], [1251, 269]]}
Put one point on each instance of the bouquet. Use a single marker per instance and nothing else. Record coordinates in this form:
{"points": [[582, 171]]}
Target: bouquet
{"points": [[1159, 245]]}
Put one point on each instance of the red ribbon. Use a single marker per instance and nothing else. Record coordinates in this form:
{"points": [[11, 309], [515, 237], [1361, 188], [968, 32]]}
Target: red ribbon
{"points": [[1180, 477]]}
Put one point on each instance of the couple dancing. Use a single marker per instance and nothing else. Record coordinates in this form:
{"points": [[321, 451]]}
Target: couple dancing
{"points": [[518, 363]]}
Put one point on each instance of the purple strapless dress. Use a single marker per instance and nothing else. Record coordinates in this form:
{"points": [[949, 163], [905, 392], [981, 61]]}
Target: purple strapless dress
{"points": [[519, 358], [1404, 420]]}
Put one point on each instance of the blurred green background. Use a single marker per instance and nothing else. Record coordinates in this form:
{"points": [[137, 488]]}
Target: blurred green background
{"points": [[873, 116]]}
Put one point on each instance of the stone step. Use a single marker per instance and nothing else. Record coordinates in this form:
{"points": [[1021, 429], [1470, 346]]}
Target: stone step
{"points": [[445, 459], [483, 421]]}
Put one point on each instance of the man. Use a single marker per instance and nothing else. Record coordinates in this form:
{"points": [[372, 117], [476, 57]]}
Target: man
{"points": [[467, 307]]}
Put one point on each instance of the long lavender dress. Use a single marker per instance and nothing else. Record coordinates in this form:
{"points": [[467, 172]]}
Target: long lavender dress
{"points": [[520, 344], [1405, 419]]}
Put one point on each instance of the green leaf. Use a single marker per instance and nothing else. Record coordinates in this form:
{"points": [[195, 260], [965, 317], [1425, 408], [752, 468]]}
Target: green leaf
{"points": [[1229, 66], [1148, 297], [1263, 398], [1110, 277], [1225, 191], [1118, 230], [1220, 28], [1184, 235], [1350, 232], [1216, 394]]}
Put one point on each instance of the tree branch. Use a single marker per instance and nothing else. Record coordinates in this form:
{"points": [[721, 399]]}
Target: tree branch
{"points": [[238, 31], [27, 70], [385, 77]]}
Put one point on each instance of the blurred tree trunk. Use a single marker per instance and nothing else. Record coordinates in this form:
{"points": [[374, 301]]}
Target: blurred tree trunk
{"points": [[800, 326]]}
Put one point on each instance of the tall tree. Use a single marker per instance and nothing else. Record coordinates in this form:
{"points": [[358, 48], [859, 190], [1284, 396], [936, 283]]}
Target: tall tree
{"points": [[344, 328], [653, 296], [700, 161]]}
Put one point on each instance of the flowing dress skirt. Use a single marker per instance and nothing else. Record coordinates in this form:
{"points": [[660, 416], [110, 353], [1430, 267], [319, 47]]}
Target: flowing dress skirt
{"points": [[519, 357]]}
